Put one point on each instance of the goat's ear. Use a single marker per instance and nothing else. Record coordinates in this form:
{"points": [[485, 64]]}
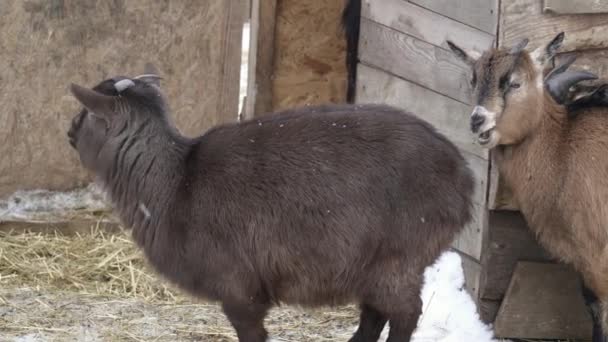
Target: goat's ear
{"points": [[98, 104], [468, 57], [544, 56], [151, 75]]}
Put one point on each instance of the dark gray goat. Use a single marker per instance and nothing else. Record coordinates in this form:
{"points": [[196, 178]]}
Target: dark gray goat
{"points": [[321, 205]]}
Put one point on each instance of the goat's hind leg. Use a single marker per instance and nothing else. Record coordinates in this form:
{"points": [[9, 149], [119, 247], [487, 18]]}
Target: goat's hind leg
{"points": [[598, 315], [403, 322], [371, 324], [247, 319]]}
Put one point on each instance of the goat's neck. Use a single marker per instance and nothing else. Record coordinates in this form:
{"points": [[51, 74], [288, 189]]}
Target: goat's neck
{"points": [[142, 182], [533, 168]]}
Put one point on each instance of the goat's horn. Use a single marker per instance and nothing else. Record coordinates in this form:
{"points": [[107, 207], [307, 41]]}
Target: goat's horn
{"points": [[569, 59], [559, 84], [148, 76]]}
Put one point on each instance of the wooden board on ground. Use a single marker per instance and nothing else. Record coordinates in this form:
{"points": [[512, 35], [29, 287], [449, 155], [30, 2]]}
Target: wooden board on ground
{"points": [[414, 60], [425, 25], [509, 241], [544, 301], [481, 14], [575, 6]]}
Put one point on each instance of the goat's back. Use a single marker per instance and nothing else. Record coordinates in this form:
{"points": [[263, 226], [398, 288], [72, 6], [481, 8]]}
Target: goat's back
{"points": [[317, 198]]}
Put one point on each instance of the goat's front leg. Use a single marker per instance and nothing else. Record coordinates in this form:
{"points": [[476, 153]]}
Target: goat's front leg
{"points": [[247, 318]]}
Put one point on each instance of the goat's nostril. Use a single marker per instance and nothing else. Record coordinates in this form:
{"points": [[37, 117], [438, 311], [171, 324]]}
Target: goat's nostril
{"points": [[476, 122]]}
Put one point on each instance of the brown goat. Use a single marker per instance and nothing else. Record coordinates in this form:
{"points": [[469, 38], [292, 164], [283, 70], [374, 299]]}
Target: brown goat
{"points": [[556, 166], [316, 206]]}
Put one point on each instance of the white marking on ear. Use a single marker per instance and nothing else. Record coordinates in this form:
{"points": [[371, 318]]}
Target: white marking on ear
{"points": [[123, 84], [473, 54]]}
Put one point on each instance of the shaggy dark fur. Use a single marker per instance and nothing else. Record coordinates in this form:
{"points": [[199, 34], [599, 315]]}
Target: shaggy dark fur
{"points": [[315, 206]]}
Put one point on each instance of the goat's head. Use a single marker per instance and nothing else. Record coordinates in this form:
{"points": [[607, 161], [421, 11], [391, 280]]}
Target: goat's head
{"points": [[110, 108], [509, 89]]}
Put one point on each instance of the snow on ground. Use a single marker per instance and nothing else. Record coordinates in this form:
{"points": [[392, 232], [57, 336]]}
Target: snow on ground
{"points": [[44, 205], [449, 313]]}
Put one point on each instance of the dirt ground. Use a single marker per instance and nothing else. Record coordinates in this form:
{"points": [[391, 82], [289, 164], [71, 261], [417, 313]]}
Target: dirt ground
{"points": [[28, 315]]}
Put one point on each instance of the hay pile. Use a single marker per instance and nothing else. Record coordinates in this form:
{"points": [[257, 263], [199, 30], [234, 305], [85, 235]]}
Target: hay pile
{"points": [[98, 287], [96, 263]]}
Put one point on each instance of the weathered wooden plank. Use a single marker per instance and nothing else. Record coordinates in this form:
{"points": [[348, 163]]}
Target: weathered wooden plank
{"points": [[575, 6], [488, 309], [261, 57], [470, 240], [425, 24], [544, 301], [472, 271], [449, 116], [237, 14], [509, 240], [415, 60], [525, 18], [481, 14]]}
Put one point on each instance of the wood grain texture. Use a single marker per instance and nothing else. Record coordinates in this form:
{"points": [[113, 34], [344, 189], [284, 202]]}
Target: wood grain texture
{"points": [[425, 25], [451, 118], [544, 301], [488, 309], [575, 6], [45, 45], [509, 241], [481, 14], [414, 60], [525, 18]]}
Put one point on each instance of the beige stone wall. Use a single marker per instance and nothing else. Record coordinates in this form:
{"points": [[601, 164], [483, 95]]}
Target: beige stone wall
{"points": [[46, 44]]}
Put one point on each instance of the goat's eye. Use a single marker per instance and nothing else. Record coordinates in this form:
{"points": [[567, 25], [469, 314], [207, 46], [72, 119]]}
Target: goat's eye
{"points": [[515, 85]]}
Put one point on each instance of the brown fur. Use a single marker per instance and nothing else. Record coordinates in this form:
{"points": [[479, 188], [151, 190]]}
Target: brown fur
{"points": [[321, 205], [556, 167]]}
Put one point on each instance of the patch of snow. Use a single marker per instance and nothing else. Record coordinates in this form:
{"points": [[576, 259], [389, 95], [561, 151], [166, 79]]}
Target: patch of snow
{"points": [[34, 337], [48, 206]]}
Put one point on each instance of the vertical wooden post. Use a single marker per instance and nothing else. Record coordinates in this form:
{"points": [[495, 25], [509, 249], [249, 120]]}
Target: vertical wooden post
{"points": [[261, 58]]}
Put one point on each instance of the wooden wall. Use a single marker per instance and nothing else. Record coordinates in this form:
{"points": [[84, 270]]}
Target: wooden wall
{"points": [[46, 44], [405, 62], [309, 53]]}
